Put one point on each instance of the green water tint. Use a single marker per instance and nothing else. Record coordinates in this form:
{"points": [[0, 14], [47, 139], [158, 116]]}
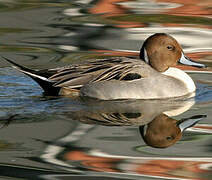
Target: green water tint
{"points": [[163, 18]]}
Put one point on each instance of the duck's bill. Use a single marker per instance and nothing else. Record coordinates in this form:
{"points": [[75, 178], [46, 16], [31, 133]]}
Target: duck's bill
{"points": [[183, 124], [187, 61]]}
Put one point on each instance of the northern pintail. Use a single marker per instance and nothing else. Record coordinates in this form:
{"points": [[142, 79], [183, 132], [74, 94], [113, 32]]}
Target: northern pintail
{"points": [[153, 76]]}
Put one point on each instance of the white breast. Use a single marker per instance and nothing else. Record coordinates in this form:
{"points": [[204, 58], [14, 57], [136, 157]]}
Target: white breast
{"points": [[182, 76]]}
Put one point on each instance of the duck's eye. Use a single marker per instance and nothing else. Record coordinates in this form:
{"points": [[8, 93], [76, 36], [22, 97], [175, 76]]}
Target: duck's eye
{"points": [[169, 47], [169, 138]]}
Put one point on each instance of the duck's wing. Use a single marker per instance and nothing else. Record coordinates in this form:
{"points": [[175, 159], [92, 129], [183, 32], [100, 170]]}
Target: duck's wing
{"points": [[76, 76]]}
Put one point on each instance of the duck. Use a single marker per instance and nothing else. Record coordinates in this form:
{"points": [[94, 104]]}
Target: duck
{"points": [[164, 131], [155, 120], [152, 75]]}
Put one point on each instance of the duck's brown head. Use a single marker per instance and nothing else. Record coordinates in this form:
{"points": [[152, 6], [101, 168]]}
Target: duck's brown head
{"points": [[164, 131], [162, 51]]}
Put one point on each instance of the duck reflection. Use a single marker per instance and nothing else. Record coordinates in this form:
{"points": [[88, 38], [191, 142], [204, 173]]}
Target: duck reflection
{"points": [[164, 131], [154, 118]]}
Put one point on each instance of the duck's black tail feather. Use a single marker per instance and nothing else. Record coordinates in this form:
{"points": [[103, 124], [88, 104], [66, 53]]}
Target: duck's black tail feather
{"points": [[39, 76]]}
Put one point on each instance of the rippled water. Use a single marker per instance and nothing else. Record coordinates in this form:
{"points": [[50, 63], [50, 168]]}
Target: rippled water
{"points": [[43, 137]]}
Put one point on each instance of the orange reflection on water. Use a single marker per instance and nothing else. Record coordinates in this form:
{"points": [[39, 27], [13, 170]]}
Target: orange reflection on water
{"points": [[115, 53], [186, 168], [107, 8], [190, 7], [172, 169], [200, 55], [94, 163], [187, 8]]}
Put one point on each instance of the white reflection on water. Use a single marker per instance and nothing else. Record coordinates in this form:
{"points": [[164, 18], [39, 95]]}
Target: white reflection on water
{"points": [[148, 6], [192, 39], [73, 12]]}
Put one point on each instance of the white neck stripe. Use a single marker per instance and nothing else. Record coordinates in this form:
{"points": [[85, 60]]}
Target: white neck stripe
{"points": [[146, 59]]}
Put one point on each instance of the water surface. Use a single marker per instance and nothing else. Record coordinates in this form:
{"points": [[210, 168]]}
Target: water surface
{"points": [[46, 137]]}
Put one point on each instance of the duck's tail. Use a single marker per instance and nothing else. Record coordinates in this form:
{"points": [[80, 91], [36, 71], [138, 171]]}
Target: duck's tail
{"points": [[39, 76]]}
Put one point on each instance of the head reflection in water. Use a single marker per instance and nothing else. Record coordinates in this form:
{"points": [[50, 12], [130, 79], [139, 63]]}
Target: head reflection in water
{"points": [[164, 131]]}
